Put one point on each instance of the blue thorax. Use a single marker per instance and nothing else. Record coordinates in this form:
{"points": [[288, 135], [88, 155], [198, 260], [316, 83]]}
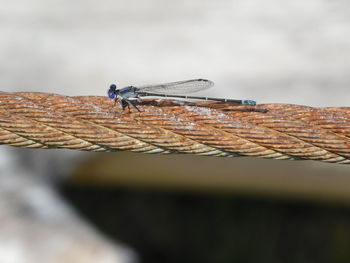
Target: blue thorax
{"points": [[128, 92]]}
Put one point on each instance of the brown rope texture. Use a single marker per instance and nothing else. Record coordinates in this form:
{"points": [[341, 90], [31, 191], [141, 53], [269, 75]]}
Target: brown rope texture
{"points": [[278, 131]]}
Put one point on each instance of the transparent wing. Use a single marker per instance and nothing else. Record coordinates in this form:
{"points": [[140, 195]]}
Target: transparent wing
{"points": [[178, 87]]}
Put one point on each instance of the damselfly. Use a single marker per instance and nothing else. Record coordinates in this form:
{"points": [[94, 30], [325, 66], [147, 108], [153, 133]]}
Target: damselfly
{"points": [[128, 95]]}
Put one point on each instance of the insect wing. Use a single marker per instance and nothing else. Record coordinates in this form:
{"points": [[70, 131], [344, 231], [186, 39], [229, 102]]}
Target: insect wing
{"points": [[179, 87]]}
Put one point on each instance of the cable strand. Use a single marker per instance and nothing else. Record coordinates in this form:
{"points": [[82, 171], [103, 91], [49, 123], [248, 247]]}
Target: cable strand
{"points": [[92, 123]]}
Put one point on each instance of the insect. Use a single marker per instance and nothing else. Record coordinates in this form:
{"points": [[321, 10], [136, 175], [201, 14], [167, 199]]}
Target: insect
{"points": [[128, 95]]}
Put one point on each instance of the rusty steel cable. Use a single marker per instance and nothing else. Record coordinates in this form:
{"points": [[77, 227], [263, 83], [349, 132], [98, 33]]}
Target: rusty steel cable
{"points": [[93, 123]]}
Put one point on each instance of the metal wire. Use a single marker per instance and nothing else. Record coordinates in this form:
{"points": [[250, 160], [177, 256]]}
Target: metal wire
{"points": [[278, 131]]}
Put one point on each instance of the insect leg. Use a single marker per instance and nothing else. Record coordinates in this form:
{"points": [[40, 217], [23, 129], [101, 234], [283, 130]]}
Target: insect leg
{"points": [[130, 102], [124, 104]]}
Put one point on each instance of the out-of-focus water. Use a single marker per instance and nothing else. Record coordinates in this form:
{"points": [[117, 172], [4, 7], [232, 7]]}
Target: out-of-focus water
{"points": [[270, 51]]}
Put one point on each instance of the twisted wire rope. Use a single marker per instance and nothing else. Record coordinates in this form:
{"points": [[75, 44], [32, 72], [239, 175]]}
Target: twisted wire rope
{"points": [[92, 123]]}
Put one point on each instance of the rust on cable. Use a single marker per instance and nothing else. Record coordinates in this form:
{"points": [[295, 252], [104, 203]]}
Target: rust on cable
{"points": [[93, 123]]}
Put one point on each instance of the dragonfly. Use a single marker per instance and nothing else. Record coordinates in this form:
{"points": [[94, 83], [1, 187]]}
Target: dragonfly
{"points": [[127, 96]]}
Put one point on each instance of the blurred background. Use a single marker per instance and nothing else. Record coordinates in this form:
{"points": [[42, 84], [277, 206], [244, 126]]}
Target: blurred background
{"points": [[67, 206]]}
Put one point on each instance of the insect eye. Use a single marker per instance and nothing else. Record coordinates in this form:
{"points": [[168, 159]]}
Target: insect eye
{"points": [[111, 94], [113, 87]]}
